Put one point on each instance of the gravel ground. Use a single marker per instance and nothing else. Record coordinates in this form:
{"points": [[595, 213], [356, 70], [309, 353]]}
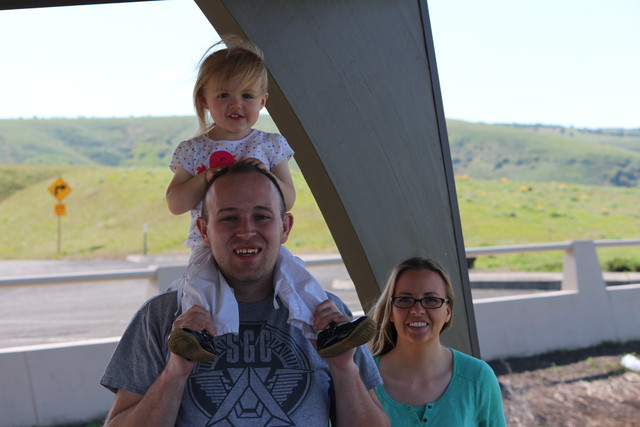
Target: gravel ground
{"points": [[586, 387]]}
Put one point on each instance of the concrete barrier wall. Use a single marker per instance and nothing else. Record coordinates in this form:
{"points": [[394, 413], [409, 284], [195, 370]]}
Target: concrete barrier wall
{"points": [[584, 312], [53, 384], [625, 304], [539, 323]]}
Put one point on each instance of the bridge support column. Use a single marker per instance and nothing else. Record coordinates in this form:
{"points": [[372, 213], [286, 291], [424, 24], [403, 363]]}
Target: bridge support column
{"points": [[354, 89]]}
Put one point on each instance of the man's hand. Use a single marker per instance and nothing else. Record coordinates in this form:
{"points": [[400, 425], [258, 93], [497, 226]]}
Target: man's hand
{"points": [[195, 319], [355, 405], [160, 404], [327, 312]]}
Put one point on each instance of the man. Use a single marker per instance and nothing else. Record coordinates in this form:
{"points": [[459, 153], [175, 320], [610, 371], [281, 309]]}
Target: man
{"points": [[268, 374]]}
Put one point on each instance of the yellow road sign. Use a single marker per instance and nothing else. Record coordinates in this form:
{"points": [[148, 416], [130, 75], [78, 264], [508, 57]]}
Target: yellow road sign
{"points": [[59, 189], [60, 209]]}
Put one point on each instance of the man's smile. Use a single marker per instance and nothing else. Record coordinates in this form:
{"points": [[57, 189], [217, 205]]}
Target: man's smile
{"points": [[248, 251]]}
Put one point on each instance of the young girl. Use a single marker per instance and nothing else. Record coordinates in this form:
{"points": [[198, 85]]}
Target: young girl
{"points": [[229, 93]]}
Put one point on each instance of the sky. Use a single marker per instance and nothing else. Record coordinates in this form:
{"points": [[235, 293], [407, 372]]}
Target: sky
{"points": [[556, 62]]}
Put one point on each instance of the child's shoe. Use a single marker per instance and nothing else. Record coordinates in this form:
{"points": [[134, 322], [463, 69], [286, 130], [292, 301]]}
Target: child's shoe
{"points": [[192, 345], [340, 337]]}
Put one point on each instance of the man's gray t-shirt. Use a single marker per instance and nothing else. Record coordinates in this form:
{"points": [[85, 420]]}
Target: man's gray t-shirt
{"points": [[268, 374]]}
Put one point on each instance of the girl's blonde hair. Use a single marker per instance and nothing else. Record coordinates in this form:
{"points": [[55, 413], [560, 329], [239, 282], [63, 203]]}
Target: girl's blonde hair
{"points": [[386, 335], [239, 57]]}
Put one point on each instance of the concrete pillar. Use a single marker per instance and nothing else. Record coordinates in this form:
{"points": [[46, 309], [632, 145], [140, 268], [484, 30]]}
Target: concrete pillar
{"points": [[581, 269], [354, 89], [582, 273], [165, 276]]}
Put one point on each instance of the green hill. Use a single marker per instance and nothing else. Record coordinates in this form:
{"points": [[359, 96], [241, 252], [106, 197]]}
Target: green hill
{"points": [[108, 207], [515, 184], [523, 153], [140, 141], [504, 212], [106, 212], [546, 153], [110, 142]]}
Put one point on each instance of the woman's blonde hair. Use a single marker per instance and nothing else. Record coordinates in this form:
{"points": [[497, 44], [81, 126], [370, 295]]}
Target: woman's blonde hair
{"points": [[239, 57], [386, 335]]}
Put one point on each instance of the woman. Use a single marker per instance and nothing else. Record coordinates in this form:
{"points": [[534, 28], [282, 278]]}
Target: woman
{"points": [[425, 382]]}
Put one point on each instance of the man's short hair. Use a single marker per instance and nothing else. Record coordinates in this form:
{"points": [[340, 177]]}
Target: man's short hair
{"points": [[239, 168]]}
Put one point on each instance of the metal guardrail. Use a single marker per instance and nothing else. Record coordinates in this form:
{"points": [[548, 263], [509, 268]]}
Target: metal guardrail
{"points": [[95, 276], [149, 273], [494, 250], [152, 272]]}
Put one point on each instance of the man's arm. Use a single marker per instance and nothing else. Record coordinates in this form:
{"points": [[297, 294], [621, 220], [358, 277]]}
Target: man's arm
{"points": [[159, 405], [355, 405]]}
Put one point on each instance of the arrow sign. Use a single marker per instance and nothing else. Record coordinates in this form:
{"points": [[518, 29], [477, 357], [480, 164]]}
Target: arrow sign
{"points": [[59, 189]]}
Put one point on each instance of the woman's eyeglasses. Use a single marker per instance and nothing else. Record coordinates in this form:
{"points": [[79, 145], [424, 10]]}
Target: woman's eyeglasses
{"points": [[426, 302]]}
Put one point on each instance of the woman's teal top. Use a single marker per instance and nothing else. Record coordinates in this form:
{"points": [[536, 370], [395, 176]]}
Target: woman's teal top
{"points": [[472, 398]]}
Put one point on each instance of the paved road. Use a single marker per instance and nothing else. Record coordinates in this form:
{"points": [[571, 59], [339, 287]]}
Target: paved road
{"points": [[31, 315]]}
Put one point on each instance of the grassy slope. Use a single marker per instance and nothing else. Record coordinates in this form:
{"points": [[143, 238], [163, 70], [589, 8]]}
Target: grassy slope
{"points": [[141, 141], [523, 153], [106, 211], [107, 208], [502, 212], [545, 153]]}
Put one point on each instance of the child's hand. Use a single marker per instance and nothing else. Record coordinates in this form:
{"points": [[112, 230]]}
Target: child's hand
{"points": [[209, 173], [253, 161]]}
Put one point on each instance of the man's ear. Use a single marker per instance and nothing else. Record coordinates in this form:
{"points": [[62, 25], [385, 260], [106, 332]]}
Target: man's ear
{"points": [[202, 227], [287, 224]]}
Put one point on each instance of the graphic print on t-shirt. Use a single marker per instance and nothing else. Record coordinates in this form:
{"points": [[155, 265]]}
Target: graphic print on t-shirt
{"points": [[261, 377]]}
